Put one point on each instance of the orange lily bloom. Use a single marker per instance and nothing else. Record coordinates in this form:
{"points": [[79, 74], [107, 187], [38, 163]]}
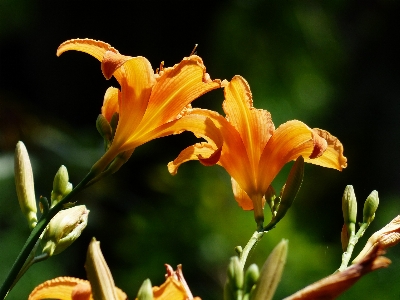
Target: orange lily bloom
{"points": [[69, 288], [254, 152], [150, 105]]}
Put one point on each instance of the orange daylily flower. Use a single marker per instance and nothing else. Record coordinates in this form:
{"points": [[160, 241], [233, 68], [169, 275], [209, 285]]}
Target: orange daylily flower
{"points": [[69, 288], [150, 105], [254, 152]]}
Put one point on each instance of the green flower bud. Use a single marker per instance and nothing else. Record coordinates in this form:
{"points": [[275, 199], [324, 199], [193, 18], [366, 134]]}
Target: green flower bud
{"points": [[145, 291], [250, 278], [104, 128], [349, 208], [98, 273], [370, 207], [24, 184], [65, 227], [271, 273], [234, 283], [61, 186]]}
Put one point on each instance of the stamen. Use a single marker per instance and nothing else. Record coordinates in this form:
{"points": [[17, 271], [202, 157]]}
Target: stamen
{"points": [[194, 52]]}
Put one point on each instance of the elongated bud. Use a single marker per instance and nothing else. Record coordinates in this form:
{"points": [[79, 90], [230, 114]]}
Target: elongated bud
{"points": [[66, 226], [104, 128], [291, 188], [250, 278], [370, 207], [234, 282], [349, 205], [271, 272], [24, 184], [98, 273], [61, 186], [145, 291]]}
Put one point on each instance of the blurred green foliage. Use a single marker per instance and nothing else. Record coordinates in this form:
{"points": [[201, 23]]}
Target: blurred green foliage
{"points": [[328, 64]]}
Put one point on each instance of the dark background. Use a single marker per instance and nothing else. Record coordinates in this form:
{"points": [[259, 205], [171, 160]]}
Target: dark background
{"points": [[331, 65]]}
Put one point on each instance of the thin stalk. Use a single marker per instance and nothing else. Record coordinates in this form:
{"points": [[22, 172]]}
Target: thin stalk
{"points": [[35, 235], [255, 238], [350, 248]]}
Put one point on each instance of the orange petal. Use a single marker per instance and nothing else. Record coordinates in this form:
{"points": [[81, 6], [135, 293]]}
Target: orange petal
{"points": [[241, 196], [110, 103], [193, 152], [233, 156], [58, 288], [254, 125], [175, 89], [202, 127], [289, 141], [95, 48], [333, 155], [170, 289], [111, 62], [136, 86]]}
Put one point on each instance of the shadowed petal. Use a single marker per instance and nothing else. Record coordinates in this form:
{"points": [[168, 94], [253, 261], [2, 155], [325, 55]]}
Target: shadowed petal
{"points": [[110, 103], [241, 196], [208, 153]]}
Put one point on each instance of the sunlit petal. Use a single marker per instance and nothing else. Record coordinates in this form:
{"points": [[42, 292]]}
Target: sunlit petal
{"points": [[333, 156], [289, 141], [95, 48], [175, 89], [136, 87], [170, 289], [254, 125], [58, 288]]}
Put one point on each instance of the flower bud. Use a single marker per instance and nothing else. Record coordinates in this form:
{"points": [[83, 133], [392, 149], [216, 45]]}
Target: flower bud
{"points": [[271, 272], [104, 128], [370, 207], [289, 192], [145, 291], [234, 282], [250, 278], [65, 227], [61, 186], [349, 205], [98, 273], [24, 184]]}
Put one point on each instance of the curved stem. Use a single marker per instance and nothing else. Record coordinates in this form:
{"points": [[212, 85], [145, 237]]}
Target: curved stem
{"points": [[255, 238], [352, 242], [35, 235]]}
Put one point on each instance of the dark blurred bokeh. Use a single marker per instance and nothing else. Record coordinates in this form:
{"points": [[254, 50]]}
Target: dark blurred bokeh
{"points": [[331, 65]]}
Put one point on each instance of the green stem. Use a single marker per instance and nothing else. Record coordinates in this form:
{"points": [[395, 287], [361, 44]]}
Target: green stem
{"points": [[35, 235], [350, 247], [255, 238]]}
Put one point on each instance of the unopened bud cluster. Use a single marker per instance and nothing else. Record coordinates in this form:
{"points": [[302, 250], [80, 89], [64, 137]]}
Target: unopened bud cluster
{"points": [[253, 284]]}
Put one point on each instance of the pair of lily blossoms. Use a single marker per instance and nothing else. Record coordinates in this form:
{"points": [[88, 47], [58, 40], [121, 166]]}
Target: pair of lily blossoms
{"points": [[151, 105], [245, 142]]}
